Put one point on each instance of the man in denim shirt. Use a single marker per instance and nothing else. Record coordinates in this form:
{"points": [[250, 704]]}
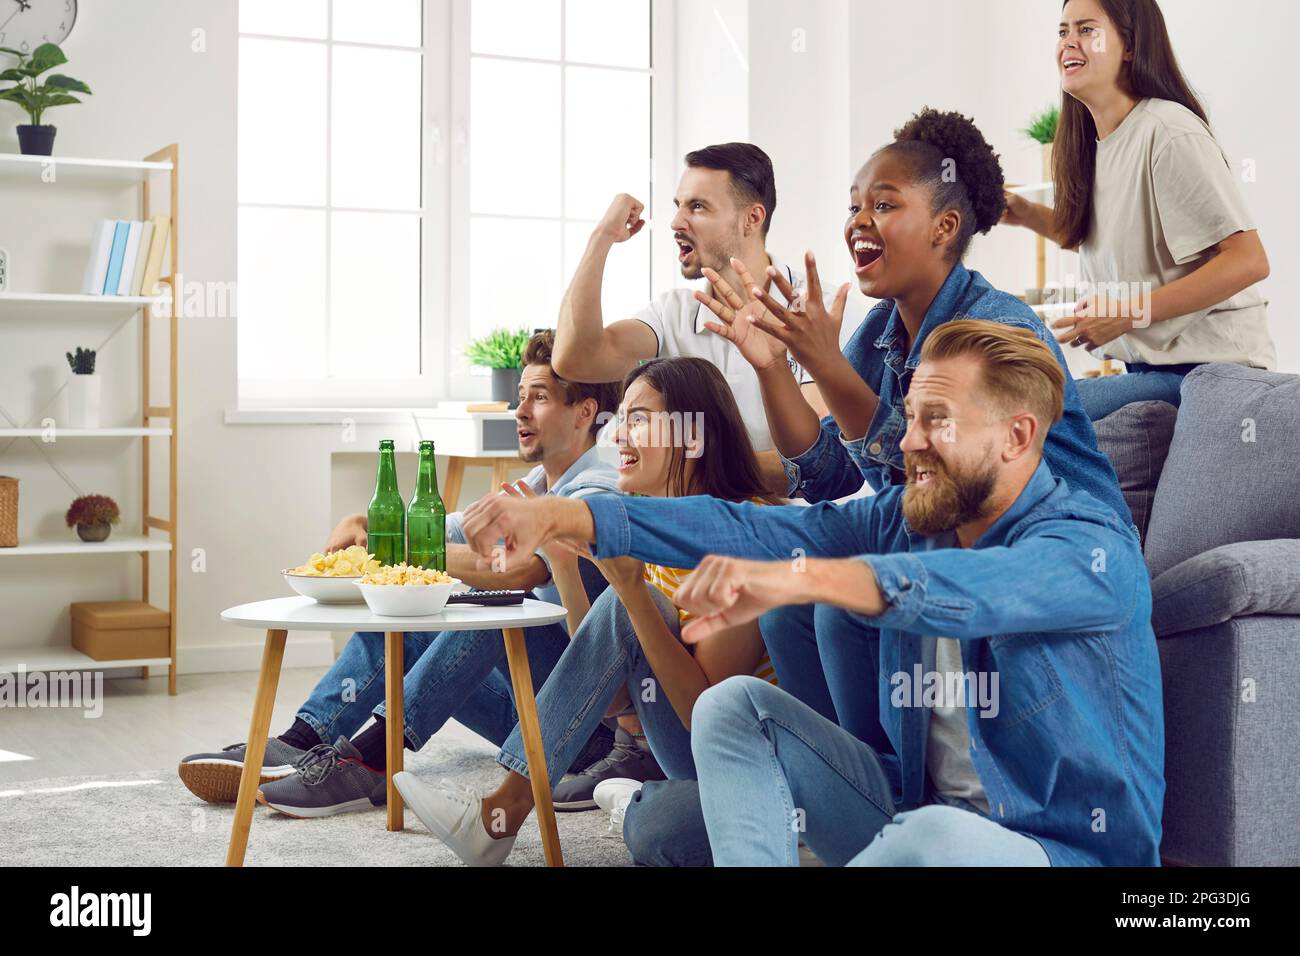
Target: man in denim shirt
{"points": [[834, 468], [1042, 590]]}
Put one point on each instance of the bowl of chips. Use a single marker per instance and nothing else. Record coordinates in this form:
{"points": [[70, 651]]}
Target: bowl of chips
{"points": [[331, 578], [400, 590]]}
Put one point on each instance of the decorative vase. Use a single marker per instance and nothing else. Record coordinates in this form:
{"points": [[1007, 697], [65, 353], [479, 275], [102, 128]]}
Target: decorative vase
{"points": [[94, 532], [36, 140], [505, 385], [83, 401]]}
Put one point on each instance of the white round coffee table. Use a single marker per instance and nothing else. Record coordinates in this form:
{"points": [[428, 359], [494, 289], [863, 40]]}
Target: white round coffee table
{"points": [[279, 616]]}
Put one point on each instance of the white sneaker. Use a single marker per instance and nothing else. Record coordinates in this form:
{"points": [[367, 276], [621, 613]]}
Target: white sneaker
{"points": [[454, 818], [614, 795]]}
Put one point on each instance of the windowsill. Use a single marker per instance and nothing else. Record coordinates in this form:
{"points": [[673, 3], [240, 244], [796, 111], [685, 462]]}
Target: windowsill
{"points": [[323, 416]]}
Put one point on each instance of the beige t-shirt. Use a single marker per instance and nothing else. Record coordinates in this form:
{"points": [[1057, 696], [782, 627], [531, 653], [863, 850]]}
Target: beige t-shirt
{"points": [[1165, 194]]}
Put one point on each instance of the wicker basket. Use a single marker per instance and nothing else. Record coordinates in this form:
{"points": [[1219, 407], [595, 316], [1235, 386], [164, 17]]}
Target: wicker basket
{"points": [[8, 512]]}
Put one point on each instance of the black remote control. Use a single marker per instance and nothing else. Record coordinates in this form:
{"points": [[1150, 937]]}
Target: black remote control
{"points": [[488, 598]]}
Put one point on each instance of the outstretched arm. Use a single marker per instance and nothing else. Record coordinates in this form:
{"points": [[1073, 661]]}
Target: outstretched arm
{"points": [[1064, 576], [678, 532]]}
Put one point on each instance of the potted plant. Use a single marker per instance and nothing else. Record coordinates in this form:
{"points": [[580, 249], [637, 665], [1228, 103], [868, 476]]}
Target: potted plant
{"points": [[83, 390], [502, 352], [36, 96], [93, 516], [1042, 130]]}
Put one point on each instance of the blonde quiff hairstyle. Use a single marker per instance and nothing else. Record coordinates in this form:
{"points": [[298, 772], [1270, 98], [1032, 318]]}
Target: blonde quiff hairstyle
{"points": [[1019, 371]]}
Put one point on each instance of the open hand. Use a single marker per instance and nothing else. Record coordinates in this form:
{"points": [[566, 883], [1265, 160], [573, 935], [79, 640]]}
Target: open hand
{"points": [[812, 334], [736, 313]]}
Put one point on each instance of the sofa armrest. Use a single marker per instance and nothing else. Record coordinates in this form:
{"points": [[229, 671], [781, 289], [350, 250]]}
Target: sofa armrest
{"points": [[1233, 580]]}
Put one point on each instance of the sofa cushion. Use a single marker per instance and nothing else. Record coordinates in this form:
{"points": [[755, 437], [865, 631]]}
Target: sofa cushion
{"points": [[1136, 440], [1233, 470], [1234, 580]]}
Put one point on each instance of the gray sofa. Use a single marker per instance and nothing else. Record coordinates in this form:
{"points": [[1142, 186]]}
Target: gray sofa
{"points": [[1215, 489]]}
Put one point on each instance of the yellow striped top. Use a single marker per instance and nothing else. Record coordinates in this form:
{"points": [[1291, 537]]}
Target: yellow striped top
{"points": [[668, 580]]}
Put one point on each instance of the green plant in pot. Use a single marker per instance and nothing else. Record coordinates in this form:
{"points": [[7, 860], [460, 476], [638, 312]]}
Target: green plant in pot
{"points": [[36, 96], [503, 352], [1042, 130], [93, 516], [1042, 126]]}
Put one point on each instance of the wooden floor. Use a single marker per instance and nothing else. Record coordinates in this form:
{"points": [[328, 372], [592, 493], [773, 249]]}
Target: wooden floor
{"points": [[143, 728]]}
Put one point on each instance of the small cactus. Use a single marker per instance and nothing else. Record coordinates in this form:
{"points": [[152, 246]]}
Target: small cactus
{"points": [[83, 363]]}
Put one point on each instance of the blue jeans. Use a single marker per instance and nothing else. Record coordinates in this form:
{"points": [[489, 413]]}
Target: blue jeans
{"points": [[771, 768], [664, 825], [604, 656], [461, 674], [1143, 383], [829, 659]]}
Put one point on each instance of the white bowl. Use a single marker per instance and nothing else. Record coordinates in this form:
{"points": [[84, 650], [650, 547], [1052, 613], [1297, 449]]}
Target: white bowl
{"points": [[325, 590], [406, 600]]}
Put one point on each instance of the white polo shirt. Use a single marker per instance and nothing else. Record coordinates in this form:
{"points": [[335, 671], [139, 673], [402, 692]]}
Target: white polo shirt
{"points": [[677, 321]]}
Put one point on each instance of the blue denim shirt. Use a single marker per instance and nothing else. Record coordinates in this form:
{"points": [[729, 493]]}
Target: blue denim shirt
{"points": [[1054, 599], [835, 468]]}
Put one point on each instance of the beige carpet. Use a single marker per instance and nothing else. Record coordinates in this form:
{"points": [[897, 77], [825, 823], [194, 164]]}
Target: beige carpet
{"points": [[150, 819]]}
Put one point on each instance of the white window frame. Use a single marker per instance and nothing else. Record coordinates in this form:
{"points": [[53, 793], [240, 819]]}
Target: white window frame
{"points": [[445, 220]]}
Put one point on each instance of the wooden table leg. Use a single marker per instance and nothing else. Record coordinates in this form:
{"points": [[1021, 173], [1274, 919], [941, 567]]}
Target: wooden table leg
{"points": [[395, 722], [259, 727], [451, 487], [526, 705], [500, 472]]}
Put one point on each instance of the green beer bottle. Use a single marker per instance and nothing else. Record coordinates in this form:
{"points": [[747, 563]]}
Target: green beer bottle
{"points": [[386, 517], [426, 518]]}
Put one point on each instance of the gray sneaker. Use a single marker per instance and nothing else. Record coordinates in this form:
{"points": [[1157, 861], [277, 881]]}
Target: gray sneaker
{"points": [[328, 780], [575, 792], [215, 777]]}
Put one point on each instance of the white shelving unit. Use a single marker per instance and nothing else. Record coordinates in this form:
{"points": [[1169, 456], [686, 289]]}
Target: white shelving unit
{"points": [[74, 162], [87, 432], [35, 660], [116, 544], [49, 306], [17, 303]]}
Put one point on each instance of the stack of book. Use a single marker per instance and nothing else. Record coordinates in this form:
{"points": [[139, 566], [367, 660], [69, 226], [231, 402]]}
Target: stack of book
{"points": [[126, 257]]}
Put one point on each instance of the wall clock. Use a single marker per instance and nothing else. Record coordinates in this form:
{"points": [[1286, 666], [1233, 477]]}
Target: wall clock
{"points": [[26, 24]]}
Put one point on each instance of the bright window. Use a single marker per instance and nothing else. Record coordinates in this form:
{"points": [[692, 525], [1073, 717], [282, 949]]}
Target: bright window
{"points": [[412, 175]]}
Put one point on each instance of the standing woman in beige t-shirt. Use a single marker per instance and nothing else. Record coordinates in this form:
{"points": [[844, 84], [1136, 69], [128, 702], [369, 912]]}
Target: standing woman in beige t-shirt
{"points": [[1169, 254]]}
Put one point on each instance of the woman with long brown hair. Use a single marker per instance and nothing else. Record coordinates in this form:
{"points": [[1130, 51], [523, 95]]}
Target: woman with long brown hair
{"points": [[1169, 254], [679, 434]]}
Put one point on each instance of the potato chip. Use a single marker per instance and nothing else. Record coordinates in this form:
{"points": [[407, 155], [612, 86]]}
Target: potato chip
{"points": [[348, 563], [403, 575]]}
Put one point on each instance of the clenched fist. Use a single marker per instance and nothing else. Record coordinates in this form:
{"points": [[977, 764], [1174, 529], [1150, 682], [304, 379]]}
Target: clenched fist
{"points": [[622, 220]]}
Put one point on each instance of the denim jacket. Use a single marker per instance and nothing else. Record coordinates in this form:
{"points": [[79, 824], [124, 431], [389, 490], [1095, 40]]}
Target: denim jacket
{"points": [[1054, 600], [835, 467]]}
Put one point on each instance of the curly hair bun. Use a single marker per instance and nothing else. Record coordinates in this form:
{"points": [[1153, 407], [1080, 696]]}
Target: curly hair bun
{"points": [[957, 138]]}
